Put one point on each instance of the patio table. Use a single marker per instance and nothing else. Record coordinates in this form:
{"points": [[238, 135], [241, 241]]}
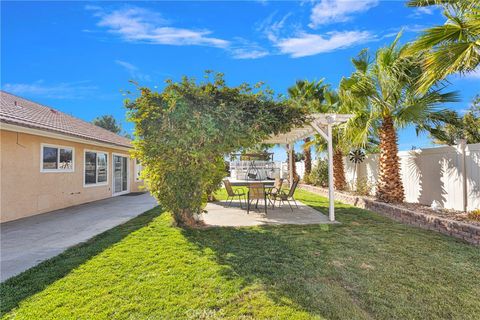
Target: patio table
{"points": [[267, 185], [246, 183]]}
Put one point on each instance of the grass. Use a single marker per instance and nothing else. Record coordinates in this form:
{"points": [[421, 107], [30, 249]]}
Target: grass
{"points": [[366, 267]]}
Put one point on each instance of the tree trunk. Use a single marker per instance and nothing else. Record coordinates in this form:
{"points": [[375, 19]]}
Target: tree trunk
{"points": [[295, 175], [184, 218], [338, 170], [389, 186], [308, 157]]}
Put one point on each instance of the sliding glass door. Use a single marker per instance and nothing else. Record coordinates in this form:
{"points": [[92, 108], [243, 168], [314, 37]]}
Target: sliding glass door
{"points": [[120, 174]]}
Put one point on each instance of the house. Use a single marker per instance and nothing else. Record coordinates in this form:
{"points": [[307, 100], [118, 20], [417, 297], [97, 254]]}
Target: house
{"points": [[50, 160]]}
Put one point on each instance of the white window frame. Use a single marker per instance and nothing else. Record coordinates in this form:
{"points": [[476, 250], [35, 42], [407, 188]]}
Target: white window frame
{"points": [[97, 184], [58, 147], [136, 164]]}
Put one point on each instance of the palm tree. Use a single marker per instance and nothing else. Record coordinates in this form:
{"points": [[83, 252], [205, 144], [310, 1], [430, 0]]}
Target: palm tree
{"points": [[453, 47], [332, 103], [308, 94], [383, 94], [458, 127]]}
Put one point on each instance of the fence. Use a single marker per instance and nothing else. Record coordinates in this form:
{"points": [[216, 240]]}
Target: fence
{"points": [[445, 174], [240, 169]]}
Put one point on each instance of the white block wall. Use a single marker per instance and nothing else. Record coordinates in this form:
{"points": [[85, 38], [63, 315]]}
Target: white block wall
{"points": [[431, 174]]}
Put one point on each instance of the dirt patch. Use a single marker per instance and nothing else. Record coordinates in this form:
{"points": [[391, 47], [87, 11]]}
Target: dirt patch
{"points": [[366, 266]]}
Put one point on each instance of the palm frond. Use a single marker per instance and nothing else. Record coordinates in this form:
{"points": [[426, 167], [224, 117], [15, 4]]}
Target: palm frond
{"points": [[462, 4], [362, 61], [454, 58]]}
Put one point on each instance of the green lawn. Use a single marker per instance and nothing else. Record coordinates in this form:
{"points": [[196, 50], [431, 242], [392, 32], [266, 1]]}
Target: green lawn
{"points": [[366, 267]]}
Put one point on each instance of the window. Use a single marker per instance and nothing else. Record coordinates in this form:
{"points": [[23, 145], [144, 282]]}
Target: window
{"points": [[102, 167], [96, 168], [56, 159]]}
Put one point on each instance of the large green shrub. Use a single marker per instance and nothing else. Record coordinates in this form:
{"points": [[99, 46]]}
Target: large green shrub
{"points": [[319, 174], [183, 133]]}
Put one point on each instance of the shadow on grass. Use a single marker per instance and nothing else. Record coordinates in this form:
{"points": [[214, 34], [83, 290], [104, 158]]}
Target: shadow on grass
{"points": [[35, 279], [292, 263], [359, 269]]}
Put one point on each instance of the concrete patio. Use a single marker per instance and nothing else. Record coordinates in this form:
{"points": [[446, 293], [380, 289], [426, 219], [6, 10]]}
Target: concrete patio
{"points": [[220, 214], [29, 241]]}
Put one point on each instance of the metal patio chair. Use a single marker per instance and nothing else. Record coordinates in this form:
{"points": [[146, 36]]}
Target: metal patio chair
{"points": [[232, 194], [277, 188], [256, 191], [286, 197]]}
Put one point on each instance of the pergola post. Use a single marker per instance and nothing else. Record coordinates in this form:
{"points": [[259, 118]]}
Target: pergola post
{"points": [[291, 163], [331, 192]]}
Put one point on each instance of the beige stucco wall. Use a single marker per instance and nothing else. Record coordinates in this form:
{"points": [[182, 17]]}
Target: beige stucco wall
{"points": [[26, 191]]}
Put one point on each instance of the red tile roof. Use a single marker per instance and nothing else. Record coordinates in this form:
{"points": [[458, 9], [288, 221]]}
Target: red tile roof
{"points": [[25, 113]]}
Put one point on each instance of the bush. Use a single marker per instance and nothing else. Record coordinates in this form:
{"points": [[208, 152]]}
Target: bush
{"points": [[307, 179], [363, 187], [474, 215], [183, 133], [319, 174]]}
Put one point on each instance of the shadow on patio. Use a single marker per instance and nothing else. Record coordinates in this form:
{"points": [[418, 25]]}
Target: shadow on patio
{"points": [[222, 214]]}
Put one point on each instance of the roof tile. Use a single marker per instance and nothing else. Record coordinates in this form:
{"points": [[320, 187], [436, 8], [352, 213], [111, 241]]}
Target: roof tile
{"points": [[26, 113]]}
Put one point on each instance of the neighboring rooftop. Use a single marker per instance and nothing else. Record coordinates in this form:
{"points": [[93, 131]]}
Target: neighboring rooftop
{"points": [[22, 112]]}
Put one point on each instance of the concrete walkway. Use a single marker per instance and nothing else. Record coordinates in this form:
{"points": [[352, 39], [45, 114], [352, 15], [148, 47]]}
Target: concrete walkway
{"points": [[29, 241], [219, 214]]}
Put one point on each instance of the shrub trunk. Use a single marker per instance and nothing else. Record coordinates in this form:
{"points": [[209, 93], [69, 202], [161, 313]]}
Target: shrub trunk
{"points": [[185, 218]]}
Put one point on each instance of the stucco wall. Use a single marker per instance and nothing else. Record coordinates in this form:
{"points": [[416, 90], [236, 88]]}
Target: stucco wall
{"points": [[26, 191]]}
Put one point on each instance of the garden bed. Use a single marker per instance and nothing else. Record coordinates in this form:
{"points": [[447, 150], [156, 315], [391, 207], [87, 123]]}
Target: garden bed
{"points": [[442, 213], [446, 221]]}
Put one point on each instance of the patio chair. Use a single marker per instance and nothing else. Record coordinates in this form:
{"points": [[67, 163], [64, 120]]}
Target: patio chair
{"points": [[232, 194], [282, 196], [256, 191], [277, 187]]}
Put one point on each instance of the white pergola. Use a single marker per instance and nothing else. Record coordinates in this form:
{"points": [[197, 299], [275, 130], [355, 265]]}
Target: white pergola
{"points": [[321, 123]]}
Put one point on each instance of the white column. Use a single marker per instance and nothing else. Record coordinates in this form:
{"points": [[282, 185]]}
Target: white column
{"points": [[331, 193], [291, 163], [462, 144]]}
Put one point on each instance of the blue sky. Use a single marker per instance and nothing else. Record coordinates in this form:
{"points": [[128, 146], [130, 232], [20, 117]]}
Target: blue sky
{"points": [[78, 56]]}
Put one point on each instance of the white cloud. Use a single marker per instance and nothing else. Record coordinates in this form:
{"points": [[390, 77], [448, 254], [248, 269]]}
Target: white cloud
{"points": [[307, 44], [244, 49], [262, 2], [425, 10], [134, 24], [271, 29], [133, 71], [64, 90], [249, 53], [332, 11], [421, 11]]}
